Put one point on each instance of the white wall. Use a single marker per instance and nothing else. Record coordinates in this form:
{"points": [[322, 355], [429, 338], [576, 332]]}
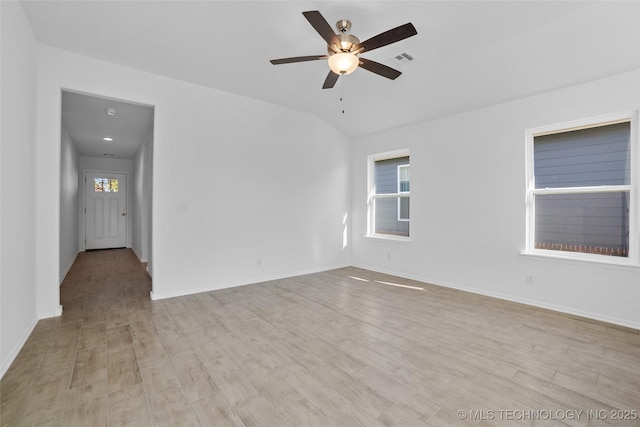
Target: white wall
{"points": [[135, 210], [264, 186], [17, 179], [147, 185], [89, 163], [468, 206], [69, 202], [141, 201]]}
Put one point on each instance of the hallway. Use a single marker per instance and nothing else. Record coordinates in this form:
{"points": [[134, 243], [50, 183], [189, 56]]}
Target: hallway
{"points": [[104, 278], [65, 361]]}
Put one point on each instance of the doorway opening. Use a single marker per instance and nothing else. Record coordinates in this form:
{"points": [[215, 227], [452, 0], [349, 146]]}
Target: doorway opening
{"points": [[106, 177]]}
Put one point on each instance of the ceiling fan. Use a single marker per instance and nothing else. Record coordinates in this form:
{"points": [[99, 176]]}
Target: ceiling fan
{"points": [[343, 49]]}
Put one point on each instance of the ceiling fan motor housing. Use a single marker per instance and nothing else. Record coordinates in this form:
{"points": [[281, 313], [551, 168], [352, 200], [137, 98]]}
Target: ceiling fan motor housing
{"points": [[347, 41]]}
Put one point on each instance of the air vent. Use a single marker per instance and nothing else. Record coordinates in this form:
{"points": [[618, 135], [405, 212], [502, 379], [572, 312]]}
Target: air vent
{"points": [[403, 58]]}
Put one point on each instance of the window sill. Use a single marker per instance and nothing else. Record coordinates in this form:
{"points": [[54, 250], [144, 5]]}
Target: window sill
{"points": [[584, 258], [389, 237]]}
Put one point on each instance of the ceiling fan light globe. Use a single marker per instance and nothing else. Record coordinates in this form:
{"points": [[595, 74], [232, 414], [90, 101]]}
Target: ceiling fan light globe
{"points": [[343, 63]]}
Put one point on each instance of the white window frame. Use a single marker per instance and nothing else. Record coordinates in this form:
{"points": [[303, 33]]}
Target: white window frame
{"points": [[632, 188], [403, 193], [371, 185]]}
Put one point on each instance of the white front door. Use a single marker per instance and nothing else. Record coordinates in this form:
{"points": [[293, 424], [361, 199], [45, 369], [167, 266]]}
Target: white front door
{"points": [[105, 210]]}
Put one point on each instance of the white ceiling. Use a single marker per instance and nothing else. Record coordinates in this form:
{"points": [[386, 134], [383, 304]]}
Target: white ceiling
{"points": [[87, 121], [468, 54]]}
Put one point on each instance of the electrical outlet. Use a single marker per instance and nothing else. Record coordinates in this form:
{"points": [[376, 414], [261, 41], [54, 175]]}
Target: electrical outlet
{"points": [[528, 280], [389, 256], [181, 207]]}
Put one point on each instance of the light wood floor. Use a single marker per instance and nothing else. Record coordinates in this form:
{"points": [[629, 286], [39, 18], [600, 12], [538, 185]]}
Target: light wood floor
{"points": [[337, 348]]}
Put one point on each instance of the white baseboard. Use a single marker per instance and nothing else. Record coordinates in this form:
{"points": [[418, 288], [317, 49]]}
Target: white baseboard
{"points": [[157, 296], [68, 267], [56, 312], [6, 364], [140, 257], [532, 303]]}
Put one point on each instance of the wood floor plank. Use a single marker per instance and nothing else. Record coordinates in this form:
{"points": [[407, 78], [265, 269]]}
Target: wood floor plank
{"points": [[215, 411], [401, 416], [170, 409], [122, 369], [57, 356], [230, 380], [158, 375], [259, 412], [147, 343], [116, 315], [90, 366], [93, 335], [85, 395], [95, 314], [128, 407], [119, 338], [48, 398], [91, 413], [193, 377]]}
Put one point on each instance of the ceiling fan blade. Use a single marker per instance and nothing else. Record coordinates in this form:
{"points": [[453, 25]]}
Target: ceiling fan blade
{"points": [[331, 80], [391, 36], [297, 59], [323, 28], [380, 69]]}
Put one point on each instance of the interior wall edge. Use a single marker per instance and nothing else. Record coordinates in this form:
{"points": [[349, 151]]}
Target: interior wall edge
{"points": [[67, 268]]}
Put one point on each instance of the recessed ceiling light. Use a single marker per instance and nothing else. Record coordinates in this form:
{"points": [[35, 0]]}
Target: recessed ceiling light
{"points": [[111, 111], [106, 138]]}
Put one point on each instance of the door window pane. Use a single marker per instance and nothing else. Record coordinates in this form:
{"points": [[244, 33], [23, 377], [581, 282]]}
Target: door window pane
{"points": [[105, 185]]}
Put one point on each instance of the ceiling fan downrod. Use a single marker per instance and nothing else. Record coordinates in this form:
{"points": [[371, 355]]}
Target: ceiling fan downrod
{"points": [[347, 41]]}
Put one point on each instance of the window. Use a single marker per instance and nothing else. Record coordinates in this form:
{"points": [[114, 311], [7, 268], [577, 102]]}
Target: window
{"points": [[403, 188], [105, 185], [580, 192], [389, 190]]}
